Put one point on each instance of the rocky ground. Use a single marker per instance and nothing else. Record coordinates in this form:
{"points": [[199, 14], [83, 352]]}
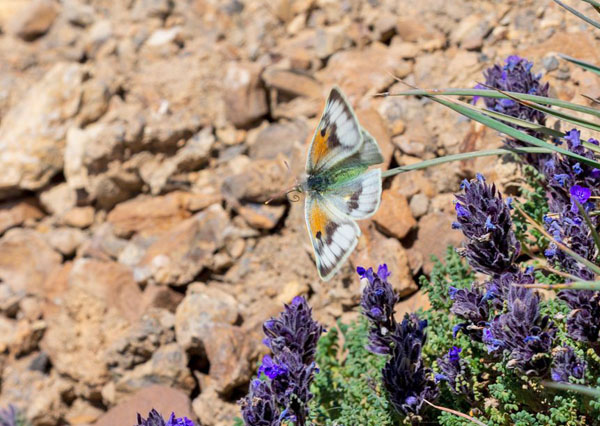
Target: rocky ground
{"points": [[139, 140]]}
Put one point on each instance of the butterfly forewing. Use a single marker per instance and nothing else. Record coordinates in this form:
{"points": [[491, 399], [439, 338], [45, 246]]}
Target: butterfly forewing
{"points": [[333, 236], [337, 136]]}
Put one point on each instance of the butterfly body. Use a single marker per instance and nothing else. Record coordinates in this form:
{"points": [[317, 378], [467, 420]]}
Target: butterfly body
{"points": [[339, 187]]}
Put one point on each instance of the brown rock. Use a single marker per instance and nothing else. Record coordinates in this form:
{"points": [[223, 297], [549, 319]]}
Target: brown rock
{"points": [[149, 215], [32, 133], [163, 399], [434, 236], [182, 252], [419, 205], [168, 366], [34, 20], [79, 217], [213, 411], [417, 301], [100, 301], [394, 216], [58, 199], [245, 98], [15, 213], [66, 240], [201, 307], [374, 249], [355, 73], [261, 216], [258, 182], [26, 259], [285, 138], [470, 32], [292, 82], [156, 296]]}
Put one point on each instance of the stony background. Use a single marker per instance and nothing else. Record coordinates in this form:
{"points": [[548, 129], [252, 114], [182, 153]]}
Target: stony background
{"points": [[139, 140]]}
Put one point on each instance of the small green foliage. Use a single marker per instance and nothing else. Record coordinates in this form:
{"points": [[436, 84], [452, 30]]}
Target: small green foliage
{"points": [[348, 388]]}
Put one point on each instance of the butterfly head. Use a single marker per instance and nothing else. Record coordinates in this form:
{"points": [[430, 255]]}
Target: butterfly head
{"points": [[292, 193]]}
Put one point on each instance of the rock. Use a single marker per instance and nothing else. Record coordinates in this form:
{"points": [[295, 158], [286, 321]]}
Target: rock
{"points": [[78, 13], [287, 138], [261, 216], [34, 20], [292, 82], [470, 32], [394, 216], [258, 182], [17, 249], [148, 215], [550, 63], [201, 307], [419, 205], [95, 97], [168, 366], [213, 411], [185, 250], [245, 98], [16, 213], [82, 412], [417, 301], [40, 396], [79, 217], [65, 240], [58, 199], [163, 399], [156, 296], [354, 71], [374, 249], [434, 236], [100, 301], [163, 36], [32, 134]]}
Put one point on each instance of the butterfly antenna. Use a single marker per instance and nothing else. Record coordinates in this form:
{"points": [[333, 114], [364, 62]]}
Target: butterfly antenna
{"points": [[294, 188]]}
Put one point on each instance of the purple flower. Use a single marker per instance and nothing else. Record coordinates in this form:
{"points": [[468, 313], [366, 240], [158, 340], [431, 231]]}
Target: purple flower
{"points": [[377, 302], [406, 379], [155, 419], [471, 306], [10, 416], [491, 246], [455, 372], [522, 332], [573, 137], [292, 338], [579, 194], [583, 322], [516, 76], [566, 364]]}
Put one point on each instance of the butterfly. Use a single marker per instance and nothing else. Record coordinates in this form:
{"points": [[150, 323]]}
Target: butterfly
{"points": [[339, 187]]}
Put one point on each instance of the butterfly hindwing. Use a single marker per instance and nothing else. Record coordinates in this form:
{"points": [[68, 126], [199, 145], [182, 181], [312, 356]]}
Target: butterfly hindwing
{"points": [[337, 136], [357, 198], [333, 236]]}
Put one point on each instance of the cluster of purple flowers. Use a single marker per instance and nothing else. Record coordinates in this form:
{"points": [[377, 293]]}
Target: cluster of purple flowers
{"points": [[284, 394], [501, 313], [155, 419], [515, 76], [406, 379], [455, 372]]}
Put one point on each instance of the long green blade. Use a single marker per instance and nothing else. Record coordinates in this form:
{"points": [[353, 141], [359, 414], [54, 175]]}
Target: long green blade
{"points": [[575, 285], [583, 64], [578, 14], [510, 131], [542, 100], [586, 390], [463, 156]]}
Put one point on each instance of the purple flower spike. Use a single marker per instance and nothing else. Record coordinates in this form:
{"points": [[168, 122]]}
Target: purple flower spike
{"points": [[155, 419], [566, 364], [580, 194]]}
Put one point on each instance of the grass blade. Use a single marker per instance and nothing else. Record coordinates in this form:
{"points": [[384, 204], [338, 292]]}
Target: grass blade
{"points": [[588, 222], [463, 156], [585, 390], [561, 115], [456, 413], [574, 285], [510, 131], [542, 100], [583, 64], [593, 267], [578, 14]]}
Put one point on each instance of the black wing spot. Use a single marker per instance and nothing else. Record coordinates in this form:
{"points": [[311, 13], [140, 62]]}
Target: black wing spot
{"points": [[323, 131], [318, 235]]}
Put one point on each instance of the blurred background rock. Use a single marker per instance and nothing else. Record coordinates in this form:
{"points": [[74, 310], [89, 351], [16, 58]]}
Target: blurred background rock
{"points": [[139, 140]]}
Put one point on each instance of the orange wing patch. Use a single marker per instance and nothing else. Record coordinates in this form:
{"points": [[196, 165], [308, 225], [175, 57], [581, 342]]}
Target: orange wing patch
{"points": [[320, 147], [318, 221]]}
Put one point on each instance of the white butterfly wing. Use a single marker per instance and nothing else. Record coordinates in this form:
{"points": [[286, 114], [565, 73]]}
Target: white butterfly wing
{"points": [[357, 198]]}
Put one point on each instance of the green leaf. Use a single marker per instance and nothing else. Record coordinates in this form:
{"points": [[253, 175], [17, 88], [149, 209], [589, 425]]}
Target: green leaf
{"points": [[542, 100], [510, 131], [463, 156], [585, 390], [578, 14], [583, 64], [575, 285]]}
